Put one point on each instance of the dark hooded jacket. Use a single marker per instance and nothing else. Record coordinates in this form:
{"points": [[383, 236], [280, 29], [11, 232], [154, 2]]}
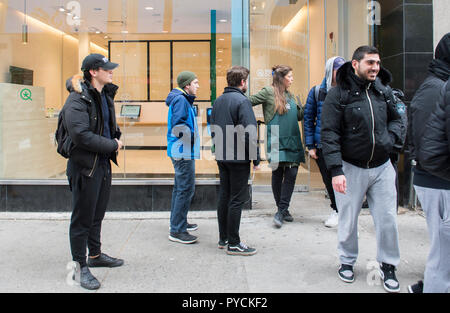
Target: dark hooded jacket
{"points": [[425, 101], [434, 157], [359, 124], [83, 119]]}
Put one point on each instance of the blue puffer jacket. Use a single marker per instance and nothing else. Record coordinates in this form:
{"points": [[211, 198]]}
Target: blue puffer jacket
{"points": [[313, 113], [181, 121]]}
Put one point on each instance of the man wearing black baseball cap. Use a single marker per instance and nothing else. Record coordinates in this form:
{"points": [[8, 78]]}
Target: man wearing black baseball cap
{"points": [[90, 119], [95, 61]]}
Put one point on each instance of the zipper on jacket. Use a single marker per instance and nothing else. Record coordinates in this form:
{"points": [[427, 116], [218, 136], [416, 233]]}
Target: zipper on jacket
{"points": [[96, 155], [373, 125]]}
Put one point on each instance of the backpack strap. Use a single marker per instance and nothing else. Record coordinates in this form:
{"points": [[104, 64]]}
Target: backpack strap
{"points": [[343, 98], [316, 93]]}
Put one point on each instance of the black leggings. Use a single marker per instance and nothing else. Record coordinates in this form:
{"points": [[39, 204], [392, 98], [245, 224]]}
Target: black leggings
{"points": [[283, 183], [326, 178]]}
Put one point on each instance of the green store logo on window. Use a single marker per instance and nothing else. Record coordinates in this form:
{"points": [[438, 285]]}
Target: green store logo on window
{"points": [[26, 94]]}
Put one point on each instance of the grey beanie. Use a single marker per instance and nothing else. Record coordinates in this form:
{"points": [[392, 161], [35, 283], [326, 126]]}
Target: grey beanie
{"points": [[185, 78]]}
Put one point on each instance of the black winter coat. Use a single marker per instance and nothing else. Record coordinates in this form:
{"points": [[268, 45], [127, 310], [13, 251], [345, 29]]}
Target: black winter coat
{"points": [[420, 109], [362, 128], [233, 110], [434, 155], [83, 118]]}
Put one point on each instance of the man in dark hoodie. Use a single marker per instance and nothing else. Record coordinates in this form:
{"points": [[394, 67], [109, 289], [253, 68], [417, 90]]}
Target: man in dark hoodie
{"points": [[90, 119], [234, 131], [360, 126], [183, 148], [431, 177]]}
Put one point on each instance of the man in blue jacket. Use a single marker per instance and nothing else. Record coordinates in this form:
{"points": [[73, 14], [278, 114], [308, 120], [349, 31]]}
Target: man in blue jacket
{"points": [[313, 114], [183, 147]]}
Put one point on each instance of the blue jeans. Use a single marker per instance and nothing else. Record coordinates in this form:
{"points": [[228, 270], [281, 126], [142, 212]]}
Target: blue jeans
{"points": [[183, 191]]}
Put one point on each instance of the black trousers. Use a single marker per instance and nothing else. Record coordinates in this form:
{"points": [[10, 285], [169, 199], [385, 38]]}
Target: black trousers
{"points": [[233, 194], [283, 183], [326, 177], [90, 196]]}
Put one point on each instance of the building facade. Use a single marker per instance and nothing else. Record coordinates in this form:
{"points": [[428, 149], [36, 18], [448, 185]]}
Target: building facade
{"points": [[42, 44]]}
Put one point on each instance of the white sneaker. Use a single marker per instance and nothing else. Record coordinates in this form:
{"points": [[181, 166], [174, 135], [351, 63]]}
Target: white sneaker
{"points": [[332, 220]]}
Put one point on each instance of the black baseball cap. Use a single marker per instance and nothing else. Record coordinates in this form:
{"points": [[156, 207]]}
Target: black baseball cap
{"points": [[94, 61]]}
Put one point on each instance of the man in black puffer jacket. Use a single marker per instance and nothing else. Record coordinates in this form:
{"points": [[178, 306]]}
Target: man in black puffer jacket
{"points": [[430, 148], [360, 126], [90, 120]]}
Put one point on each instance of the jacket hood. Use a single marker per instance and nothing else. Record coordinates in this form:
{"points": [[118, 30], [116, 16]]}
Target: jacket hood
{"points": [[73, 84], [177, 92], [77, 84], [345, 73], [440, 65], [442, 51], [329, 72]]}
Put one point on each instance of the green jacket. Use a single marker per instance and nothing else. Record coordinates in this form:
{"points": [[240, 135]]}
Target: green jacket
{"points": [[266, 97], [287, 146]]}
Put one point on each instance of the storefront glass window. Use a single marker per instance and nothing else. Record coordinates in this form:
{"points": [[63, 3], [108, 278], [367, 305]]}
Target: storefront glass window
{"points": [[42, 44]]}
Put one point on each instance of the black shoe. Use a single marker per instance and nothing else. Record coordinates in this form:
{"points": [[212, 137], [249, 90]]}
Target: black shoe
{"points": [[287, 217], [346, 274], [222, 244], [390, 282], [278, 219], [240, 249], [86, 279], [104, 261], [185, 237], [416, 288], [192, 227]]}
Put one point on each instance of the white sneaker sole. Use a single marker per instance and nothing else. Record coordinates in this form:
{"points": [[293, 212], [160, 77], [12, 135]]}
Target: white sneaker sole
{"points": [[241, 253], [181, 241], [346, 280]]}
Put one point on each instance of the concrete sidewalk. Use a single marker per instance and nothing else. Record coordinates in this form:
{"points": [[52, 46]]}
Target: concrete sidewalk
{"points": [[299, 257]]}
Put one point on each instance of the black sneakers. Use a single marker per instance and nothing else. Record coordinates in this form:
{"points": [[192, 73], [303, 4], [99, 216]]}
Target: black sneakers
{"points": [[104, 261], [287, 217], [87, 280], [222, 244], [184, 237], [240, 249], [416, 288], [390, 282], [346, 274], [192, 227], [278, 219]]}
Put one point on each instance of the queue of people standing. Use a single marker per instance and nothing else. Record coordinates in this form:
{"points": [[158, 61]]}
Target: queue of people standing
{"points": [[352, 121]]}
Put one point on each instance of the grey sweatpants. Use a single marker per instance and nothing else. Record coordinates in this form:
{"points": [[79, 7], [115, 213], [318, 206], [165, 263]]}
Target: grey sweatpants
{"points": [[378, 184], [436, 205]]}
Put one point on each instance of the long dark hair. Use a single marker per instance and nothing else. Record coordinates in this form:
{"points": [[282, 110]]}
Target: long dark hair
{"points": [[278, 73]]}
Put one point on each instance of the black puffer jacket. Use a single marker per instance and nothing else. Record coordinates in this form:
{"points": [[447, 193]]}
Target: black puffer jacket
{"points": [[420, 109], [359, 126], [83, 118], [434, 155]]}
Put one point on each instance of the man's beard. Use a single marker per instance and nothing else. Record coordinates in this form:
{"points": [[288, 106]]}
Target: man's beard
{"points": [[366, 76]]}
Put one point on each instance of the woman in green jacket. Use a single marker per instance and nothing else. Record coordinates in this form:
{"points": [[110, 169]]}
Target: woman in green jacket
{"points": [[284, 144]]}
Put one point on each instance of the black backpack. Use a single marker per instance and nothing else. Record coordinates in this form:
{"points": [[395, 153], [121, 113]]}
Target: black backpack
{"points": [[64, 144]]}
